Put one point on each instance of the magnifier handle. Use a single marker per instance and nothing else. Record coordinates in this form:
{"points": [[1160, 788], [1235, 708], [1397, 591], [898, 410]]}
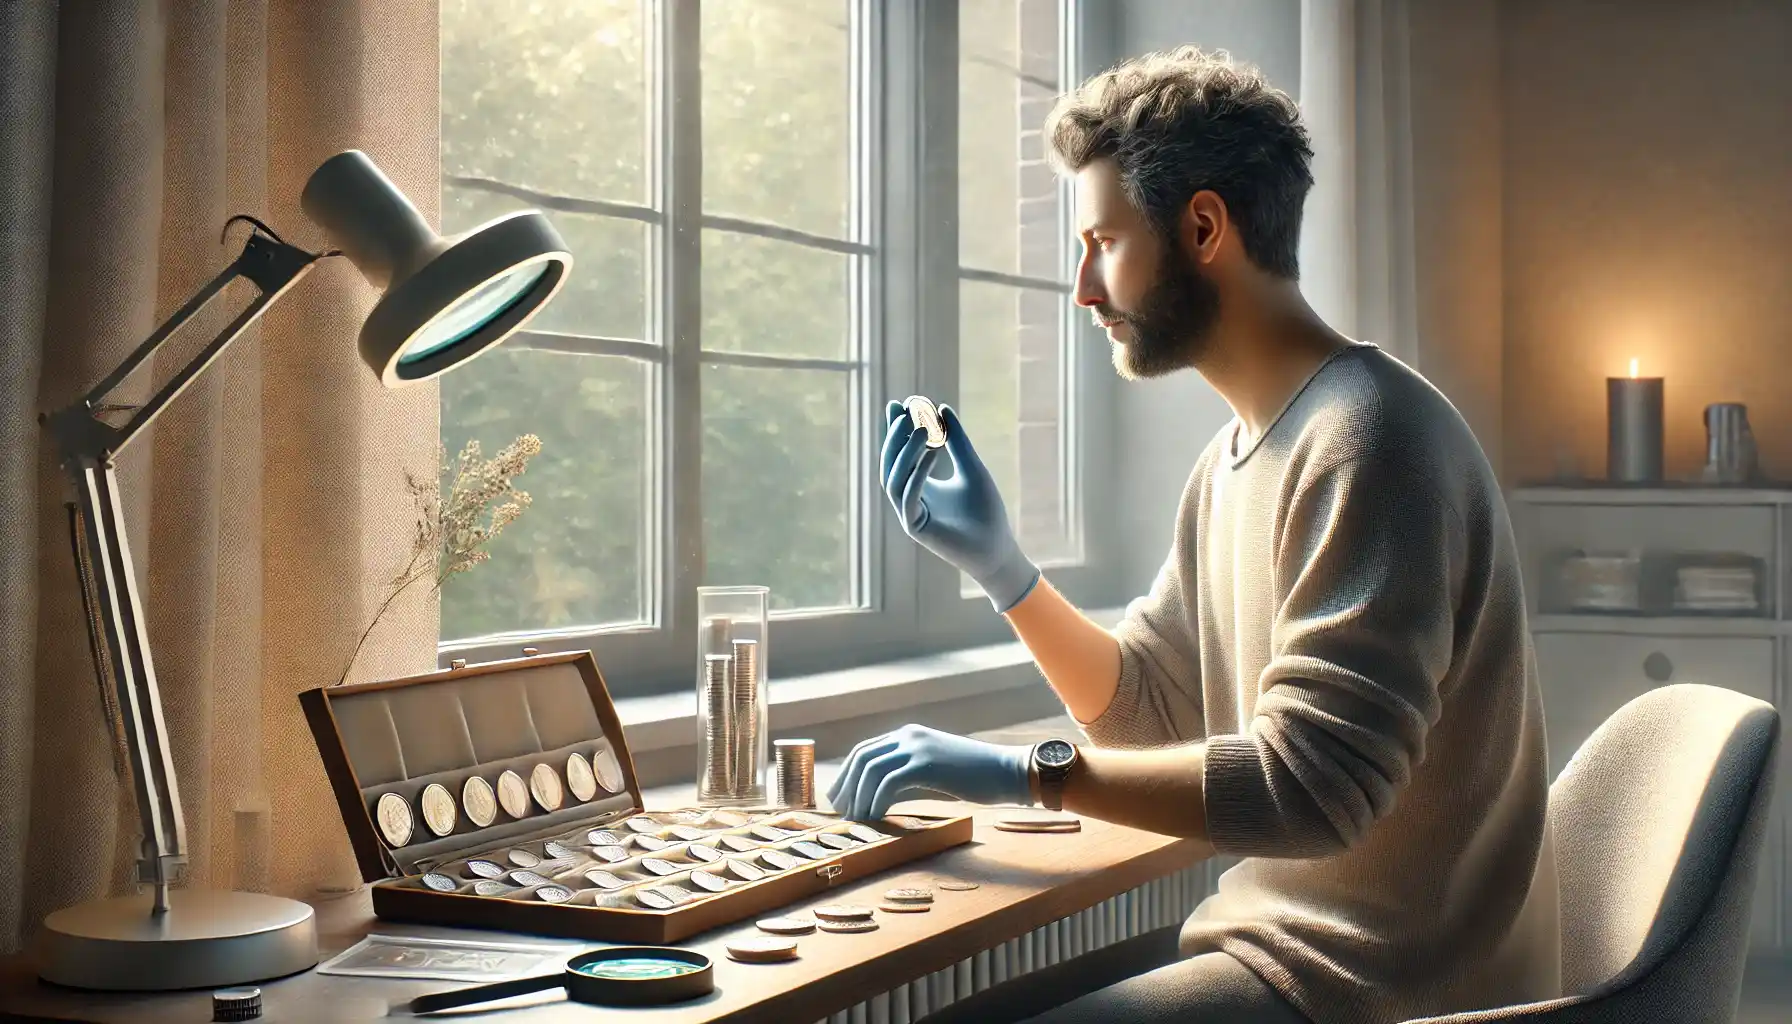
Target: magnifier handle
{"points": [[486, 993]]}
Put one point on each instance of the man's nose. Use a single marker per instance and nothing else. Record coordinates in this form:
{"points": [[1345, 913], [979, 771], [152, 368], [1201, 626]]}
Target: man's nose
{"points": [[1088, 283]]}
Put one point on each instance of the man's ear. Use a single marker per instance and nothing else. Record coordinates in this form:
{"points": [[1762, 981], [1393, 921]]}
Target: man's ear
{"points": [[1205, 225]]}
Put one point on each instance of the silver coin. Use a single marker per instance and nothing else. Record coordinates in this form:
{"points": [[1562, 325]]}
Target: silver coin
{"points": [[603, 837], [739, 844], [679, 893], [865, 833], [778, 860], [705, 880], [652, 844], [909, 895], [559, 850], [654, 899], [836, 841], [811, 850], [486, 868], [491, 887], [770, 833], [658, 866], [522, 858], [529, 878], [478, 800], [745, 870], [579, 778], [705, 854], [604, 879], [786, 925], [513, 794], [553, 894], [848, 926], [440, 882], [954, 885], [439, 812], [607, 770], [843, 912], [557, 865], [395, 818], [687, 833], [926, 416], [609, 854], [545, 787], [639, 824]]}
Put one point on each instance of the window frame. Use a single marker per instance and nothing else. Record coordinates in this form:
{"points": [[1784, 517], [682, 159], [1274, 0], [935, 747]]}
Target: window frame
{"points": [[905, 232]]}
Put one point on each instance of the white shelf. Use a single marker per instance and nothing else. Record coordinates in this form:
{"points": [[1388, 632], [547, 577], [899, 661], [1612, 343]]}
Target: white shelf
{"points": [[1667, 625], [1685, 494]]}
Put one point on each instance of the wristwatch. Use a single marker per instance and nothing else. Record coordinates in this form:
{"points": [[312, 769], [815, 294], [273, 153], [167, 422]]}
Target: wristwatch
{"points": [[1053, 761]]}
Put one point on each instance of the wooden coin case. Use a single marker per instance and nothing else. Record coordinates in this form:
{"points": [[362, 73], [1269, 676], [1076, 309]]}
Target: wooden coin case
{"points": [[401, 735]]}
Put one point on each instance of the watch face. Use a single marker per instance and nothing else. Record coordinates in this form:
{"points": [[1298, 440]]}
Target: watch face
{"points": [[1056, 754]]}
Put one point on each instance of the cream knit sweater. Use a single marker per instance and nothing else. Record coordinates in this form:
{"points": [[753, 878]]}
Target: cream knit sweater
{"points": [[1341, 620]]}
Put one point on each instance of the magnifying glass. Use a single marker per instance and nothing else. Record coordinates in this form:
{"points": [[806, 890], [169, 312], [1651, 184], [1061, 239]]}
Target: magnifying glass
{"points": [[623, 976]]}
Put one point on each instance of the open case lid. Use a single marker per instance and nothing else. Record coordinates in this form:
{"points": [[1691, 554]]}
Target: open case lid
{"points": [[401, 735]]}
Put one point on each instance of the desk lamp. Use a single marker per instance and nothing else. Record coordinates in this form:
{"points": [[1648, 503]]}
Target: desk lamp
{"points": [[446, 300]]}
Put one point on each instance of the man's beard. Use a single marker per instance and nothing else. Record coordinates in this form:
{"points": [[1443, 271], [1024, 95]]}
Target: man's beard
{"points": [[1173, 325]]}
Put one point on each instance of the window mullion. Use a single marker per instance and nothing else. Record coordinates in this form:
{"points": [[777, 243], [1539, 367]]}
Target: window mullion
{"points": [[682, 497]]}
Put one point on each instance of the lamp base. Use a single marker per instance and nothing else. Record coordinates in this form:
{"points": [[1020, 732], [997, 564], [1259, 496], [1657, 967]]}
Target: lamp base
{"points": [[205, 940]]}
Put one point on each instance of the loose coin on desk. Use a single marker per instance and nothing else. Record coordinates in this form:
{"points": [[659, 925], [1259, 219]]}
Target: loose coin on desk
{"points": [[761, 949], [607, 769], [842, 912], [579, 778], [890, 907], [478, 800], [1039, 825], [522, 858], [786, 925], [486, 868], [544, 786], [440, 882], [909, 895], [848, 926], [513, 794], [438, 808], [395, 818], [955, 885]]}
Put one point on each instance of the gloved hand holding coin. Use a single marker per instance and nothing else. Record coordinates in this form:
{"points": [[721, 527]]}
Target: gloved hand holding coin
{"points": [[960, 518], [915, 761]]}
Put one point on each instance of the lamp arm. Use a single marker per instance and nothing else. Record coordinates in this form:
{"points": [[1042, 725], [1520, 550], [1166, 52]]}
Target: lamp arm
{"points": [[108, 580]]}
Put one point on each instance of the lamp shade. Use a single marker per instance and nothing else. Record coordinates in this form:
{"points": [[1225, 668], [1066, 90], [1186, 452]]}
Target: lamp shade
{"points": [[446, 299]]}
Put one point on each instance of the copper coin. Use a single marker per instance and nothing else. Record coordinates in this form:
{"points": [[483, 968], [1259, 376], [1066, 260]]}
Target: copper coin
{"points": [[579, 778], [545, 787], [787, 925], [653, 899], [658, 866], [486, 868], [609, 854], [745, 870], [607, 770], [909, 896], [642, 825], [513, 794], [553, 894], [708, 882], [954, 885], [478, 800], [811, 850], [529, 878], [843, 912], [604, 879], [759, 949], [439, 811], [491, 887], [559, 850], [397, 823], [739, 844], [652, 844], [778, 860], [905, 908], [687, 833], [705, 854], [865, 833], [440, 882], [522, 858], [836, 841], [603, 837], [848, 926]]}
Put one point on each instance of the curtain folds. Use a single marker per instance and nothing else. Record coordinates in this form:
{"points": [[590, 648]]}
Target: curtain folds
{"points": [[266, 507]]}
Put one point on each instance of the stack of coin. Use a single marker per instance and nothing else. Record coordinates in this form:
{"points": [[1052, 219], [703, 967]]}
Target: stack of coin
{"points": [[717, 778], [793, 768], [747, 769]]}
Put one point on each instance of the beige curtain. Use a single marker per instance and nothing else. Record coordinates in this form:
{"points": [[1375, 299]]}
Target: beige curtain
{"points": [[266, 507]]}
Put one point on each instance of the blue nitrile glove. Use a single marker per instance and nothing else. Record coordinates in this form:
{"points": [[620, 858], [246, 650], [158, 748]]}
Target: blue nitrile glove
{"points": [[915, 761], [961, 519]]}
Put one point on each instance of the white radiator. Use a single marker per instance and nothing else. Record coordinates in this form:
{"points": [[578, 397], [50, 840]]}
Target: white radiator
{"points": [[1167, 901]]}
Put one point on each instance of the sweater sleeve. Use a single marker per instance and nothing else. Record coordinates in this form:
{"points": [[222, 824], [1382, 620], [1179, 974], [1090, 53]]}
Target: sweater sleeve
{"points": [[1362, 635]]}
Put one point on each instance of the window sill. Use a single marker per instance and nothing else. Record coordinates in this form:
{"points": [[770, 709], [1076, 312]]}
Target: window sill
{"points": [[669, 721]]}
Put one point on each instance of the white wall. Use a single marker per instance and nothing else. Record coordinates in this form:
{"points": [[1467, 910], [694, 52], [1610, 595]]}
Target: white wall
{"points": [[1162, 425]]}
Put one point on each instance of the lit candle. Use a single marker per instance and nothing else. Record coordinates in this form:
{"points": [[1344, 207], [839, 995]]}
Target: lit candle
{"points": [[1633, 423]]}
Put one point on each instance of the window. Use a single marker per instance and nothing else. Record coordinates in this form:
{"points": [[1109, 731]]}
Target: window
{"points": [[758, 267]]}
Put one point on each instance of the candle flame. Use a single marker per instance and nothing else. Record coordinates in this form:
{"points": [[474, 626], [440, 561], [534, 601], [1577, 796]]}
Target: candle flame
{"points": [[1633, 369]]}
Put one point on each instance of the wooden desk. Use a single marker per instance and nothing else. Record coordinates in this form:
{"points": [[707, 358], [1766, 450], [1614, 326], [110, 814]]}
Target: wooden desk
{"points": [[1027, 882]]}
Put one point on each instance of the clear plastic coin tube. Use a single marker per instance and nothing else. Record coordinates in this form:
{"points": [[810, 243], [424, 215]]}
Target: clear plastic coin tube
{"points": [[733, 746]]}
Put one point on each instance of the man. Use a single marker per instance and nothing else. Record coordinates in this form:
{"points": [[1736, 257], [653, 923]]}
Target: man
{"points": [[1331, 675]]}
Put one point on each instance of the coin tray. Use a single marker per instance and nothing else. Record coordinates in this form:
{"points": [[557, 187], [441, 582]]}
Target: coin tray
{"points": [[399, 736]]}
